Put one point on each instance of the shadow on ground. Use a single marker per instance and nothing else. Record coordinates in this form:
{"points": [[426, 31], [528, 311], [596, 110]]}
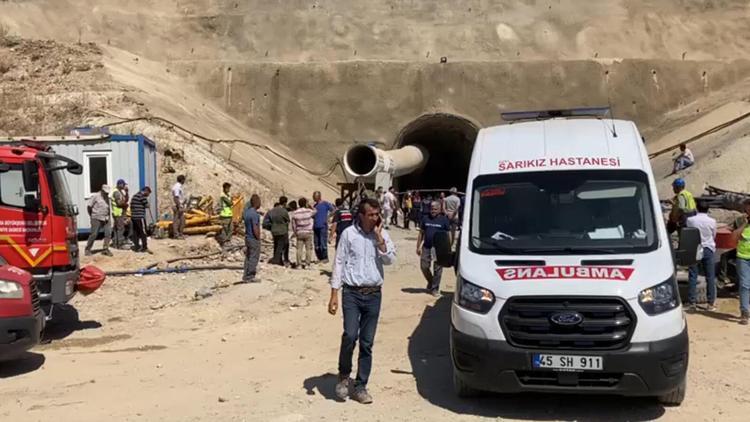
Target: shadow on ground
{"points": [[65, 321], [727, 292], [324, 384], [414, 290], [429, 353], [25, 363]]}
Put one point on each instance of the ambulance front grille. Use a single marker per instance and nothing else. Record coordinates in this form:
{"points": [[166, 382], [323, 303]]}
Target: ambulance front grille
{"points": [[605, 323]]}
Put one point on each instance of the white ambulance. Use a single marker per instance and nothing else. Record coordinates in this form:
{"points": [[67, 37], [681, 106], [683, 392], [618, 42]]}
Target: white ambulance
{"points": [[565, 272]]}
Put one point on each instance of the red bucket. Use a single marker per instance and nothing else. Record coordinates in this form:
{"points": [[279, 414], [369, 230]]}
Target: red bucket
{"points": [[91, 278]]}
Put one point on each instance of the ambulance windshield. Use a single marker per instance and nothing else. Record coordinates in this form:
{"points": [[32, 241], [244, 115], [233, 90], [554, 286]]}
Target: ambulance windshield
{"points": [[563, 212]]}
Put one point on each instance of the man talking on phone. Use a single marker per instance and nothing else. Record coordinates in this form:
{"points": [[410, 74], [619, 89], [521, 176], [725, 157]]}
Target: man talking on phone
{"points": [[365, 247]]}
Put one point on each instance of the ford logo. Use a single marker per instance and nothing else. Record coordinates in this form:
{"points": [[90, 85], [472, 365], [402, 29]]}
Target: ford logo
{"points": [[567, 319]]}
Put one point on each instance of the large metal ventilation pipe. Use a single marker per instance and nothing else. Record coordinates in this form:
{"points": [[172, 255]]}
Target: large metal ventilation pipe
{"points": [[366, 161]]}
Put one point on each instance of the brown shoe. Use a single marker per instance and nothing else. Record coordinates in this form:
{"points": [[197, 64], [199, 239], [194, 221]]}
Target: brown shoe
{"points": [[362, 396], [745, 318]]}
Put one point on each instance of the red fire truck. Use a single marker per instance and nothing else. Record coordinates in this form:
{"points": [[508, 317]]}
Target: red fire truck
{"points": [[38, 219]]}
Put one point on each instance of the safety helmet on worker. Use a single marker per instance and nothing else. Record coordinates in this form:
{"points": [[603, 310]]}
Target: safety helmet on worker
{"points": [[678, 183]]}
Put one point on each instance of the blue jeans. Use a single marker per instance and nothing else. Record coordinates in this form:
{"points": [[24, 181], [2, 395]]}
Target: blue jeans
{"points": [[432, 277], [321, 243], [743, 272], [682, 163], [361, 312], [708, 266]]}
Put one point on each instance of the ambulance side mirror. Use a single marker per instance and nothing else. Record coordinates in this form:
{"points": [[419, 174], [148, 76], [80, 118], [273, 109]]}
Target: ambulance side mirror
{"points": [[444, 254], [687, 252]]}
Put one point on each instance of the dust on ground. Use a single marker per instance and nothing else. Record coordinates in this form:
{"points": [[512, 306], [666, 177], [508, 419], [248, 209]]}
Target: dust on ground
{"points": [[268, 352]]}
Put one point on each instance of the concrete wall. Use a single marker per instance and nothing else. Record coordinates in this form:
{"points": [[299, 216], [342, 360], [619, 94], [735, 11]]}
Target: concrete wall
{"points": [[319, 74], [321, 108], [409, 30]]}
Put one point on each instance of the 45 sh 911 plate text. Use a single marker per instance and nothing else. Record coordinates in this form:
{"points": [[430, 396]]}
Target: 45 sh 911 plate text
{"points": [[567, 362]]}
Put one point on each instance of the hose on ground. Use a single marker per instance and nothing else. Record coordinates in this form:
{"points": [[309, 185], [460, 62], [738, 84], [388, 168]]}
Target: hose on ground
{"points": [[173, 270]]}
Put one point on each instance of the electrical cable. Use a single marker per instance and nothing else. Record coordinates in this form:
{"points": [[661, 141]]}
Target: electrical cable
{"points": [[174, 126]]}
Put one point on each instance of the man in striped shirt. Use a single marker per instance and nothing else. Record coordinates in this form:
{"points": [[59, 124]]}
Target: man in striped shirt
{"points": [[342, 219], [138, 207], [302, 227]]}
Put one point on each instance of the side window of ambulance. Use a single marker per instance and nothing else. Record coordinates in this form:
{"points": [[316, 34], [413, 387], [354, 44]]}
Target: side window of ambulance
{"points": [[11, 188]]}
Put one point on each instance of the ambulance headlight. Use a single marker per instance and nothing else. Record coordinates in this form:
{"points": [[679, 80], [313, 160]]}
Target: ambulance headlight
{"points": [[10, 290], [660, 298], [472, 297]]}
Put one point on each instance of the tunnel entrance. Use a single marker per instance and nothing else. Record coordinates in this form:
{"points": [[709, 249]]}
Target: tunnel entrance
{"points": [[449, 140]]}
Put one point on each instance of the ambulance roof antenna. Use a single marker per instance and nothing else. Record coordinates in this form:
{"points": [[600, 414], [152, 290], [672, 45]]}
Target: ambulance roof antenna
{"points": [[611, 114]]}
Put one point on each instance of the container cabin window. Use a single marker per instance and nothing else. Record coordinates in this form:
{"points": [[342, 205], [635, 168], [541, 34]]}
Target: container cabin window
{"points": [[97, 171]]}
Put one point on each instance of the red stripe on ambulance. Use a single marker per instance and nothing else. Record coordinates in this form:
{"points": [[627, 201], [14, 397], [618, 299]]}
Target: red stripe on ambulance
{"points": [[565, 272]]}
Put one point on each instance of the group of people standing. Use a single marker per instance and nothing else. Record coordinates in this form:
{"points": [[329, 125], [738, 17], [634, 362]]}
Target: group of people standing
{"points": [[107, 209], [225, 210], [312, 224], [687, 212], [415, 206], [431, 215]]}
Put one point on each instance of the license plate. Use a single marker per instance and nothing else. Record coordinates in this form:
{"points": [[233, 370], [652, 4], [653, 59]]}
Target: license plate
{"points": [[567, 362]]}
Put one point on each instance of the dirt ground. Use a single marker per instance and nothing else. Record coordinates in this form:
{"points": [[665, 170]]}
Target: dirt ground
{"points": [[143, 348]]}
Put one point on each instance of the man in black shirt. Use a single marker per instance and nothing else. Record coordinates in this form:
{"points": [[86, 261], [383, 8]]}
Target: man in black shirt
{"points": [[279, 225], [138, 207], [431, 224]]}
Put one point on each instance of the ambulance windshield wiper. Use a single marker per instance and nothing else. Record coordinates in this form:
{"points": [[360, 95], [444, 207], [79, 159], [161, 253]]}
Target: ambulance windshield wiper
{"points": [[496, 244]]}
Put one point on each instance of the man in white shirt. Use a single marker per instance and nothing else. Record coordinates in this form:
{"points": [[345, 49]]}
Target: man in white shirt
{"points": [[358, 271], [707, 227], [178, 208], [451, 205], [389, 207], [684, 160]]}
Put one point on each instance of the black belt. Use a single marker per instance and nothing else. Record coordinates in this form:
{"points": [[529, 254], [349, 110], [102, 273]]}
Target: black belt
{"points": [[365, 290]]}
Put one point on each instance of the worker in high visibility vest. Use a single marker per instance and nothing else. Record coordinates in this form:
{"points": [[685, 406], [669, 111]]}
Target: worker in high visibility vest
{"points": [[683, 205], [225, 214], [120, 199], [742, 236]]}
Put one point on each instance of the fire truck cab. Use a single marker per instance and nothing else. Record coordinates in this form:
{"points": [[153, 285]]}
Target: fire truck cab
{"points": [[38, 219]]}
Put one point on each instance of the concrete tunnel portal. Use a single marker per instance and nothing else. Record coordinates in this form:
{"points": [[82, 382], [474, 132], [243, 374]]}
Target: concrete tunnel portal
{"points": [[449, 140]]}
